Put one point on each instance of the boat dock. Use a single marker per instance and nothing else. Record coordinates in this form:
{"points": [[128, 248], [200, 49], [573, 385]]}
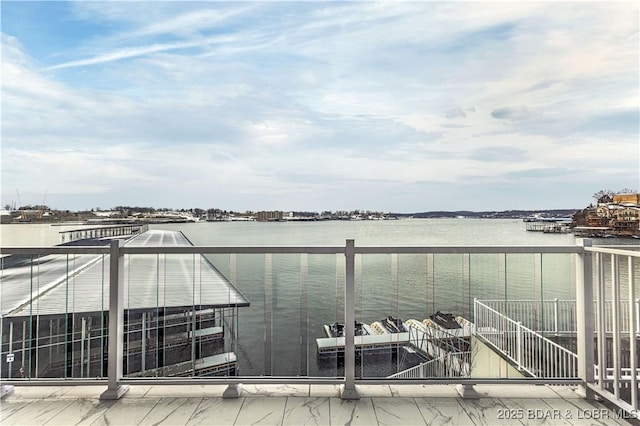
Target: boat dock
{"points": [[171, 327], [102, 232], [414, 338], [419, 336], [548, 227], [334, 345]]}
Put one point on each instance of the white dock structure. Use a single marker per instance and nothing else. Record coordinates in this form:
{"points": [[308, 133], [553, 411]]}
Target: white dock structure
{"points": [[332, 345], [423, 337], [179, 309]]}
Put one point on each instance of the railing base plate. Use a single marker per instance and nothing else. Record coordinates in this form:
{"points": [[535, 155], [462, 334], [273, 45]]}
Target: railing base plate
{"points": [[468, 392], [6, 390], [112, 394], [587, 393], [232, 391], [349, 393]]}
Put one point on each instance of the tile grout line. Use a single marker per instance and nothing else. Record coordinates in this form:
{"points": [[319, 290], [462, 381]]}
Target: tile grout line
{"points": [[284, 410], [239, 411], [154, 406], [24, 404], [195, 411], [419, 410], [375, 413], [59, 412], [462, 406]]}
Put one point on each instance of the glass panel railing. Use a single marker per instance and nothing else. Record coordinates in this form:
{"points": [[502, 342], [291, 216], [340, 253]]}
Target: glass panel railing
{"points": [[532, 329], [254, 348], [180, 317], [433, 295], [376, 291], [294, 300], [325, 301], [52, 316], [487, 279], [538, 292], [264, 315], [401, 293], [450, 291], [267, 316], [285, 299]]}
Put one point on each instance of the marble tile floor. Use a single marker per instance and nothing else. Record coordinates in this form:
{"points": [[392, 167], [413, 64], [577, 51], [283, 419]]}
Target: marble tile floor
{"points": [[304, 405]]}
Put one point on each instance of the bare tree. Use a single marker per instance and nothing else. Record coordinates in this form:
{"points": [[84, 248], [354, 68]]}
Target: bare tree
{"points": [[627, 191], [603, 196]]}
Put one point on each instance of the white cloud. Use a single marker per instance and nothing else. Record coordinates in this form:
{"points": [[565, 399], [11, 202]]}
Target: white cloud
{"points": [[192, 22], [319, 96], [132, 52]]}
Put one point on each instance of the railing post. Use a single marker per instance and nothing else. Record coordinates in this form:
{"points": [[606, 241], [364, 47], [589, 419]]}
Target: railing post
{"points": [[467, 390], [7, 390], [116, 322], [601, 322], [233, 390], [584, 317], [637, 314], [633, 312], [474, 321], [615, 317], [555, 315], [519, 344], [349, 391]]}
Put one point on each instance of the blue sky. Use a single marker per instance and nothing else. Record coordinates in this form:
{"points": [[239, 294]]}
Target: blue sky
{"points": [[393, 106]]}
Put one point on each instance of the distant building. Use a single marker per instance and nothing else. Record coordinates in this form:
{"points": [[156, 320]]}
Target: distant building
{"points": [[622, 216], [108, 213], [626, 199], [269, 216], [5, 216], [626, 220]]}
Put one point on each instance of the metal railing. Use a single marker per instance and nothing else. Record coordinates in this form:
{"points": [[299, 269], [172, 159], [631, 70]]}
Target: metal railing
{"points": [[530, 352], [605, 319], [451, 364], [559, 316], [520, 342], [613, 371]]}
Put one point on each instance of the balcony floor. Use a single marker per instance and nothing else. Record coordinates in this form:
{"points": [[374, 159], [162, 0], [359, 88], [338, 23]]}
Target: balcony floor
{"points": [[299, 404]]}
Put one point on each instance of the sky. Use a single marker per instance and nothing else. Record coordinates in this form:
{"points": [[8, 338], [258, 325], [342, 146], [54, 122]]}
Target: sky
{"points": [[318, 105]]}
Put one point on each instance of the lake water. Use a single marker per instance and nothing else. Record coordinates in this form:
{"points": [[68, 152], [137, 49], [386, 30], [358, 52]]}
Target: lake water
{"points": [[293, 296], [405, 286]]}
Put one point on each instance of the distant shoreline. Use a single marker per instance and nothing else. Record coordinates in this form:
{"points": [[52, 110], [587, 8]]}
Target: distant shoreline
{"points": [[181, 216]]}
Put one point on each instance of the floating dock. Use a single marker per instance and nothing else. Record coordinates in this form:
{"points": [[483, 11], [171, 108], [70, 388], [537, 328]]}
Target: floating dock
{"points": [[418, 337], [102, 232], [548, 227], [334, 345]]}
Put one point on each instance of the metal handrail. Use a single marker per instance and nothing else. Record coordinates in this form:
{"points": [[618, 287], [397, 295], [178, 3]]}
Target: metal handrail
{"points": [[559, 313], [633, 251], [502, 339], [294, 250]]}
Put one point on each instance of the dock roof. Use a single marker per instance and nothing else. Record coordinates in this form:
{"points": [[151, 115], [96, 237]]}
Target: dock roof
{"points": [[57, 284]]}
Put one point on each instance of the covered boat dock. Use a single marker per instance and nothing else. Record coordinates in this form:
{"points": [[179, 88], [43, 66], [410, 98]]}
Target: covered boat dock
{"points": [[178, 309]]}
